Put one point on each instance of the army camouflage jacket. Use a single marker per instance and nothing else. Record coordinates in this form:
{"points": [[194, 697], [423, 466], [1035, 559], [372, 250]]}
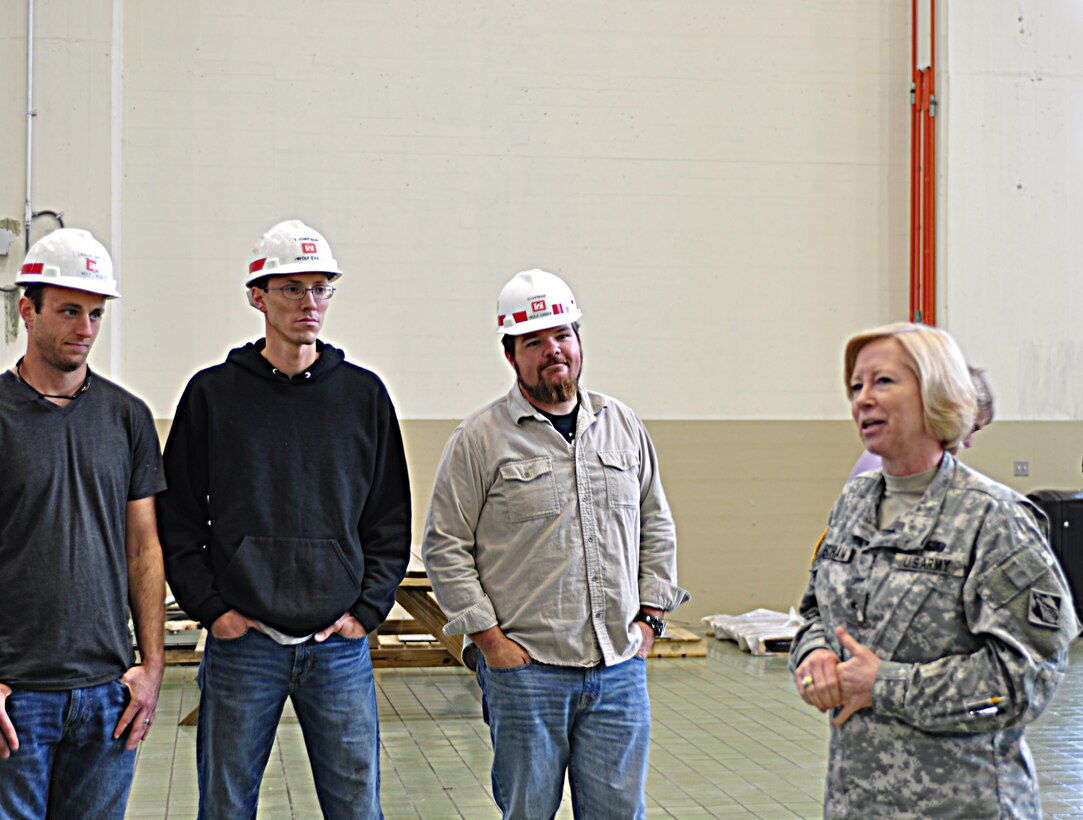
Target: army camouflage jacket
{"points": [[966, 606]]}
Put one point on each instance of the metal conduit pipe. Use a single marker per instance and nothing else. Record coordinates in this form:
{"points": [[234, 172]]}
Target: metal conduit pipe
{"points": [[29, 214], [28, 210]]}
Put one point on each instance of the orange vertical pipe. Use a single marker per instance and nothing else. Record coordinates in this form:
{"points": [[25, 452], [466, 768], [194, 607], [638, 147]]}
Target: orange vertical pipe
{"points": [[923, 176], [917, 90], [915, 128], [929, 217]]}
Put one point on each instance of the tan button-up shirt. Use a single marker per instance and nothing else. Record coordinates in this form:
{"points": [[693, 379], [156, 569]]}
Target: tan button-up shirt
{"points": [[559, 544]]}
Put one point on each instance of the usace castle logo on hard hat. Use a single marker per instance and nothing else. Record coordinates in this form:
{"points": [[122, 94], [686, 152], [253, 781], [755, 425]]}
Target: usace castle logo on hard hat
{"points": [[537, 306], [308, 247], [92, 265]]}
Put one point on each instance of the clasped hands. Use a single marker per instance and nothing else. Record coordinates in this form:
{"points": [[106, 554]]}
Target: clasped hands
{"points": [[826, 682]]}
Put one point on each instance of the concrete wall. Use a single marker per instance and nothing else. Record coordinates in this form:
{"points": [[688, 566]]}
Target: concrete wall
{"points": [[723, 183], [1012, 195]]}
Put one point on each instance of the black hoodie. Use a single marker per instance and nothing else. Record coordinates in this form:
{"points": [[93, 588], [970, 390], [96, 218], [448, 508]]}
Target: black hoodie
{"points": [[288, 498]]}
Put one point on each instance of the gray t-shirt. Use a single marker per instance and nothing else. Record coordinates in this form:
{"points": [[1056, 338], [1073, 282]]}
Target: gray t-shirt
{"points": [[66, 477]]}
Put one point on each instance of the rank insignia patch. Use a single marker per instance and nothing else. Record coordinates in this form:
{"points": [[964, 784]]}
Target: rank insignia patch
{"points": [[1044, 609]]}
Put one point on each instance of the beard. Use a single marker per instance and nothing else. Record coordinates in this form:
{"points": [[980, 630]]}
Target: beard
{"points": [[548, 392], [67, 365], [55, 360]]}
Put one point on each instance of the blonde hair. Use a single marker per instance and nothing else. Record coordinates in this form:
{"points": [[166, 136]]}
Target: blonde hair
{"points": [[948, 398]]}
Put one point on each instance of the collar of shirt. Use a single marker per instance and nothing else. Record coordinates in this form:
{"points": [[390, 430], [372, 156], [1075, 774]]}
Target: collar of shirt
{"points": [[590, 405]]}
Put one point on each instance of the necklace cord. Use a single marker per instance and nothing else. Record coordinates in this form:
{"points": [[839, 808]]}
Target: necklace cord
{"points": [[72, 397]]}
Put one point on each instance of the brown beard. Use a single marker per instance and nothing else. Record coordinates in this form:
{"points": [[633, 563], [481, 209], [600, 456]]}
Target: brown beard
{"points": [[545, 392], [548, 393]]}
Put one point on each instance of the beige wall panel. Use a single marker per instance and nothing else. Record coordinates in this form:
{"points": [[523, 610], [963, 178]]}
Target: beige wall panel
{"points": [[751, 498], [1052, 449]]}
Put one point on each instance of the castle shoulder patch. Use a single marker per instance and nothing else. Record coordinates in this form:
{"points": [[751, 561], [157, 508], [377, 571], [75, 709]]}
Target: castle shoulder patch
{"points": [[1044, 609]]}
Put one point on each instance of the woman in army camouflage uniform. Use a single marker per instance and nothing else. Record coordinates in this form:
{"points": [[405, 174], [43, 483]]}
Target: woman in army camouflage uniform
{"points": [[938, 618]]}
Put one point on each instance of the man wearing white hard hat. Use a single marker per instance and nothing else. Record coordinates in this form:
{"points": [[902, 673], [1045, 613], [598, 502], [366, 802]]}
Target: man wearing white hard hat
{"points": [[550, 545], [286, 532], [79, 467]]}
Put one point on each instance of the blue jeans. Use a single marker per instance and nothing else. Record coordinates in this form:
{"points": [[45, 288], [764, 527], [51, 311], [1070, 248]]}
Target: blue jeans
{"points": [[593, 723], [67, 764], [244, 684]]}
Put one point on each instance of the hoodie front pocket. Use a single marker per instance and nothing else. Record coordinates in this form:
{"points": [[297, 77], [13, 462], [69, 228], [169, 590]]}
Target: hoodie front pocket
{"points": [[299, 585]]}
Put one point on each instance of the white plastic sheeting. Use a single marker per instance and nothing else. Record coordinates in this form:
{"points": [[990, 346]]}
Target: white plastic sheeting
{"points": [[761, 631]]}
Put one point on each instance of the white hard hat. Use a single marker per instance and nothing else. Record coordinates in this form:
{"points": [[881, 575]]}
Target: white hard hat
{"points": [[69, 258], [291, 247], [535, 300]]}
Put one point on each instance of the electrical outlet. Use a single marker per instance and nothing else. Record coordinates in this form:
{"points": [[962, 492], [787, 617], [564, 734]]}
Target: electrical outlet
{"points": [[1021, 469]]}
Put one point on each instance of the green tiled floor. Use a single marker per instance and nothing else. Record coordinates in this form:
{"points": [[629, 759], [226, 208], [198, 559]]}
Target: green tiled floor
{"points": [[730, 739]]}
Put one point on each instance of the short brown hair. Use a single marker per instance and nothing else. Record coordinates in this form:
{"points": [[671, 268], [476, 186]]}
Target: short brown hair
{"points": [[36, 294]]}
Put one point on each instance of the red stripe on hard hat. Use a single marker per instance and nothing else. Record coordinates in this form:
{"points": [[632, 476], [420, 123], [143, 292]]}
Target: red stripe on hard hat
{"points": [[518, 316], [257, 265], [34, 267], [555, 309]]}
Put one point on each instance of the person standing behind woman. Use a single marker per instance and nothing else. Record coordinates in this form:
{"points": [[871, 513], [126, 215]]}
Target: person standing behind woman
{"points": [[938, 620]]}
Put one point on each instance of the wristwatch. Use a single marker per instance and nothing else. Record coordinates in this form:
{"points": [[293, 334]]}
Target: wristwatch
{"points": [[657, 625]]}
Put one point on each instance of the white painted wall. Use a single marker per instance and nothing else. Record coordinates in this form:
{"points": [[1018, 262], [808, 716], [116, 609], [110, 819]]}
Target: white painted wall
{"points": [[71, 159], [1012, 198], [722, 182]]}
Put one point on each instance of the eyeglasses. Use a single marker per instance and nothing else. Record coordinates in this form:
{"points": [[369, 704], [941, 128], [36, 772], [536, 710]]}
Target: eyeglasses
{"points": [[321, 293]]}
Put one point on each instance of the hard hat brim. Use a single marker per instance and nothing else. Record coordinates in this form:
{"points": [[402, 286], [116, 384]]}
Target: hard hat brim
{"points": [[332, 273], [101, 288]]}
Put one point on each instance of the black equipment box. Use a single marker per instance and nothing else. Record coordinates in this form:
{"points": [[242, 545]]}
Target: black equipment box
{"points": [[1065, 511]]}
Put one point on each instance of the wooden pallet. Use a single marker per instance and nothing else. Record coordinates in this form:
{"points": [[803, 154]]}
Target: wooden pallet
{"points": [[398, 643], [426, 618], [678, 643]]}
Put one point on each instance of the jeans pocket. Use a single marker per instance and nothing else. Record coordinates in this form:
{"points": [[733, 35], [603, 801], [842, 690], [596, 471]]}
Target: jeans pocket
{"points": [[347, 638], [509, 670], [114, 698], [237, 639]]}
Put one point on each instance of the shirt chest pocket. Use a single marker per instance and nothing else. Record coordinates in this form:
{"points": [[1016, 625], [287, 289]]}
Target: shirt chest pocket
{"points": [[921, 600], [530, 489], [621, 470]]}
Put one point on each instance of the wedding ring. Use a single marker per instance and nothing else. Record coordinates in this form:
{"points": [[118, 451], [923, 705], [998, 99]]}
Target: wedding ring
{"points": [[147, 722], [806, 681]]}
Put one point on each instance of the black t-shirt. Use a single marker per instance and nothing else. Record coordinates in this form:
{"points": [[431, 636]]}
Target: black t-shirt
{"points": [[66, 477], [564, 424]]}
